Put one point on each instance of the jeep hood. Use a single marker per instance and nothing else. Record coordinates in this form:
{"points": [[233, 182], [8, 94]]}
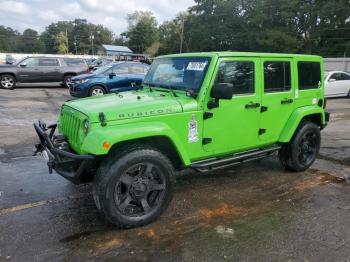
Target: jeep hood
{"points": [[133, 104]]}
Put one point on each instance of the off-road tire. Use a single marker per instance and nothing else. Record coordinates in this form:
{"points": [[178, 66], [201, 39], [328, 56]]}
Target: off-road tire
{"points": [[66, 80], [98, 89], [289, 154], [6, 78], [107, 179]]}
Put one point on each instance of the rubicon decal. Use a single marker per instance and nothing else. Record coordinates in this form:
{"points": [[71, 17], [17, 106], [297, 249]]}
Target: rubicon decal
{"points": [[145, 113]]}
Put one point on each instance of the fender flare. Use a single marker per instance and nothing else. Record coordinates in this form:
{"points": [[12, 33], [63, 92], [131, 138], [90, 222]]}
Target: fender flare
{"points": [[296, 118], [93, 143]]}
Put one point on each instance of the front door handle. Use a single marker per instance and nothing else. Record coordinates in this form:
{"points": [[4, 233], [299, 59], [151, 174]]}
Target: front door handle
{"points": [[252, 105], [286, 101]]}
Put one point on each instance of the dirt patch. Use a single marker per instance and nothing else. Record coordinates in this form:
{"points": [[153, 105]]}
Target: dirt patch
{"points": [[220, 212]]}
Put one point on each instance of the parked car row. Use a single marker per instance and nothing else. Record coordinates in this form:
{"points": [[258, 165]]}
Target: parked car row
{"points": [[118, 76], [74, 73]]}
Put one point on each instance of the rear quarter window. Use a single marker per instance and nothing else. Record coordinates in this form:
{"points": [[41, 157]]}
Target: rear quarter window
{"points": [[309, 74]]}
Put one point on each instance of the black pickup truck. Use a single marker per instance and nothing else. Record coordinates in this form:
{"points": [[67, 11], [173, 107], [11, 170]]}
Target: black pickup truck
{"points": [[41, 70]]}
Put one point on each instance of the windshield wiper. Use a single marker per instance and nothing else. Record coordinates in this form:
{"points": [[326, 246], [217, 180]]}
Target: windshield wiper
{"points": [[149, 86], [161, 86], [170, 89]]}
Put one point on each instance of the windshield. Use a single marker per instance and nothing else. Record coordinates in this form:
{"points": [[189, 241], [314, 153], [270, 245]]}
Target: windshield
{"points": [[102, 69], [182, 73]]}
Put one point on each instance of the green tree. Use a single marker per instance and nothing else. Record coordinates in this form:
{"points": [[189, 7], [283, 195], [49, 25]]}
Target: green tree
{"points": [[142, 30], [61, 44], [9, 39], [29, 42]]}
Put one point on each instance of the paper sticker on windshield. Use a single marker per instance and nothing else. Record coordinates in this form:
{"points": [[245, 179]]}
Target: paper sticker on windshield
{"points": [[197, 66], [192, 130]]}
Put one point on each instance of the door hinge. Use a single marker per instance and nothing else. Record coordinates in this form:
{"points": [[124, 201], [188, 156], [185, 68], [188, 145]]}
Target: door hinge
{"points": [[262, 131], [207, 115], [206, 140], [263, 109]]}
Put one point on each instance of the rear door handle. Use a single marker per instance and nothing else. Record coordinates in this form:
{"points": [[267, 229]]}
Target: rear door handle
{"points": [[252, 105], [286, 101]]}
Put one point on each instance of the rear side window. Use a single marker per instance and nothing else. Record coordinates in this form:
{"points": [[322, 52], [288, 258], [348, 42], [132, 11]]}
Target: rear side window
{"points": [[48, 62], [238, 73], [344, 76], [277, 76], [309, 74]]}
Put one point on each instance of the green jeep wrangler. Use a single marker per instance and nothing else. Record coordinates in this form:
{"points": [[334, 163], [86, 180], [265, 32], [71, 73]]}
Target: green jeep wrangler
{"points": [[204, 111]]}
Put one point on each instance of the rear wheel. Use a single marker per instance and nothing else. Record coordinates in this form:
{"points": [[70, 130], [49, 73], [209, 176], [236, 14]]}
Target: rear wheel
{"points": [[300, 153], [97, 91], [132, 188], [7, 82]]}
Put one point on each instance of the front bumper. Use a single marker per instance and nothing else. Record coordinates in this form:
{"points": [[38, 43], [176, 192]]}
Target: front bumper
{"points": [[77, 90], [59, 157]]}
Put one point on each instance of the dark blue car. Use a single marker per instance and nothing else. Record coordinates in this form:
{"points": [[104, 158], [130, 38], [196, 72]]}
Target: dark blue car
{"points": [[117, 76]]}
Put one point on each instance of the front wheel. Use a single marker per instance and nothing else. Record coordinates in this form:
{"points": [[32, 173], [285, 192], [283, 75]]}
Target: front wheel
{"points": [[97, 91], [132, 188], [300, 153], [7, 82]]}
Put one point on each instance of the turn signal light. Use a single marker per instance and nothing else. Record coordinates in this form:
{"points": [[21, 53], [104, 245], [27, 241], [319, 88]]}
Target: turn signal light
{"points": [[106, 145]]}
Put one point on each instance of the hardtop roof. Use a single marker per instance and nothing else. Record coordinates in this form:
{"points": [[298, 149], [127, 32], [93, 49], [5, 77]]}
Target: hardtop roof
{"points": [[241, 54]]}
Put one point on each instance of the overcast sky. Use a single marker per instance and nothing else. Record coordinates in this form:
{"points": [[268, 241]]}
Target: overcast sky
{"points": [[37, 14]]}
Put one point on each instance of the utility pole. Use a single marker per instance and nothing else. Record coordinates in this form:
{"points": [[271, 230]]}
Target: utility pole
{"points": [[182, 33], [92, 43], [67, 41], [75, 45]]}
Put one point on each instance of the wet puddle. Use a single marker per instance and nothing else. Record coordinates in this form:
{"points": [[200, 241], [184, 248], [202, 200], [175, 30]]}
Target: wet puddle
{"points": [[203, 209]]}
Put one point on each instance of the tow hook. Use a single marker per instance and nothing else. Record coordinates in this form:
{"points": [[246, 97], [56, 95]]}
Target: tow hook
{"points": [[38, 148], [51, 165]]}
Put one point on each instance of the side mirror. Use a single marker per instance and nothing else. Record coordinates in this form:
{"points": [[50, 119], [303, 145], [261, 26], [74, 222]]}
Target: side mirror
{"points": [[331, 80], [222, 91], [111, 75], [23, 65]]}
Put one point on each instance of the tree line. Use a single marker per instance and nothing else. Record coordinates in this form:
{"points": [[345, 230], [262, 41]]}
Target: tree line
{"points": [[294, 26]]}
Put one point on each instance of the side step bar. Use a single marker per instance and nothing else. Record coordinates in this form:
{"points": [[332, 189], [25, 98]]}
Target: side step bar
{"points": [[224, 162]]}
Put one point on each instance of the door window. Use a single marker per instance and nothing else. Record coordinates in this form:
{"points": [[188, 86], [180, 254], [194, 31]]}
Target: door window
{"points": [[277, 76], [240, 74], [336, 76], [30, 62], [309, 74], [121, 69]]}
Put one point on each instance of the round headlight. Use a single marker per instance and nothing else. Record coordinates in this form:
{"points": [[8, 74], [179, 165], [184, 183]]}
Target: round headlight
{"points": [[86, 126]]}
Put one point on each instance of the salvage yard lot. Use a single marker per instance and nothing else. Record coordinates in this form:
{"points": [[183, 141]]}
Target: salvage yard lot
{"points": [[255, 211]]}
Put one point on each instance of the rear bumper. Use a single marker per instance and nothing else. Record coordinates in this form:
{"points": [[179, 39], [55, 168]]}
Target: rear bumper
{"points": [[327, 116], [58, 155]]}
